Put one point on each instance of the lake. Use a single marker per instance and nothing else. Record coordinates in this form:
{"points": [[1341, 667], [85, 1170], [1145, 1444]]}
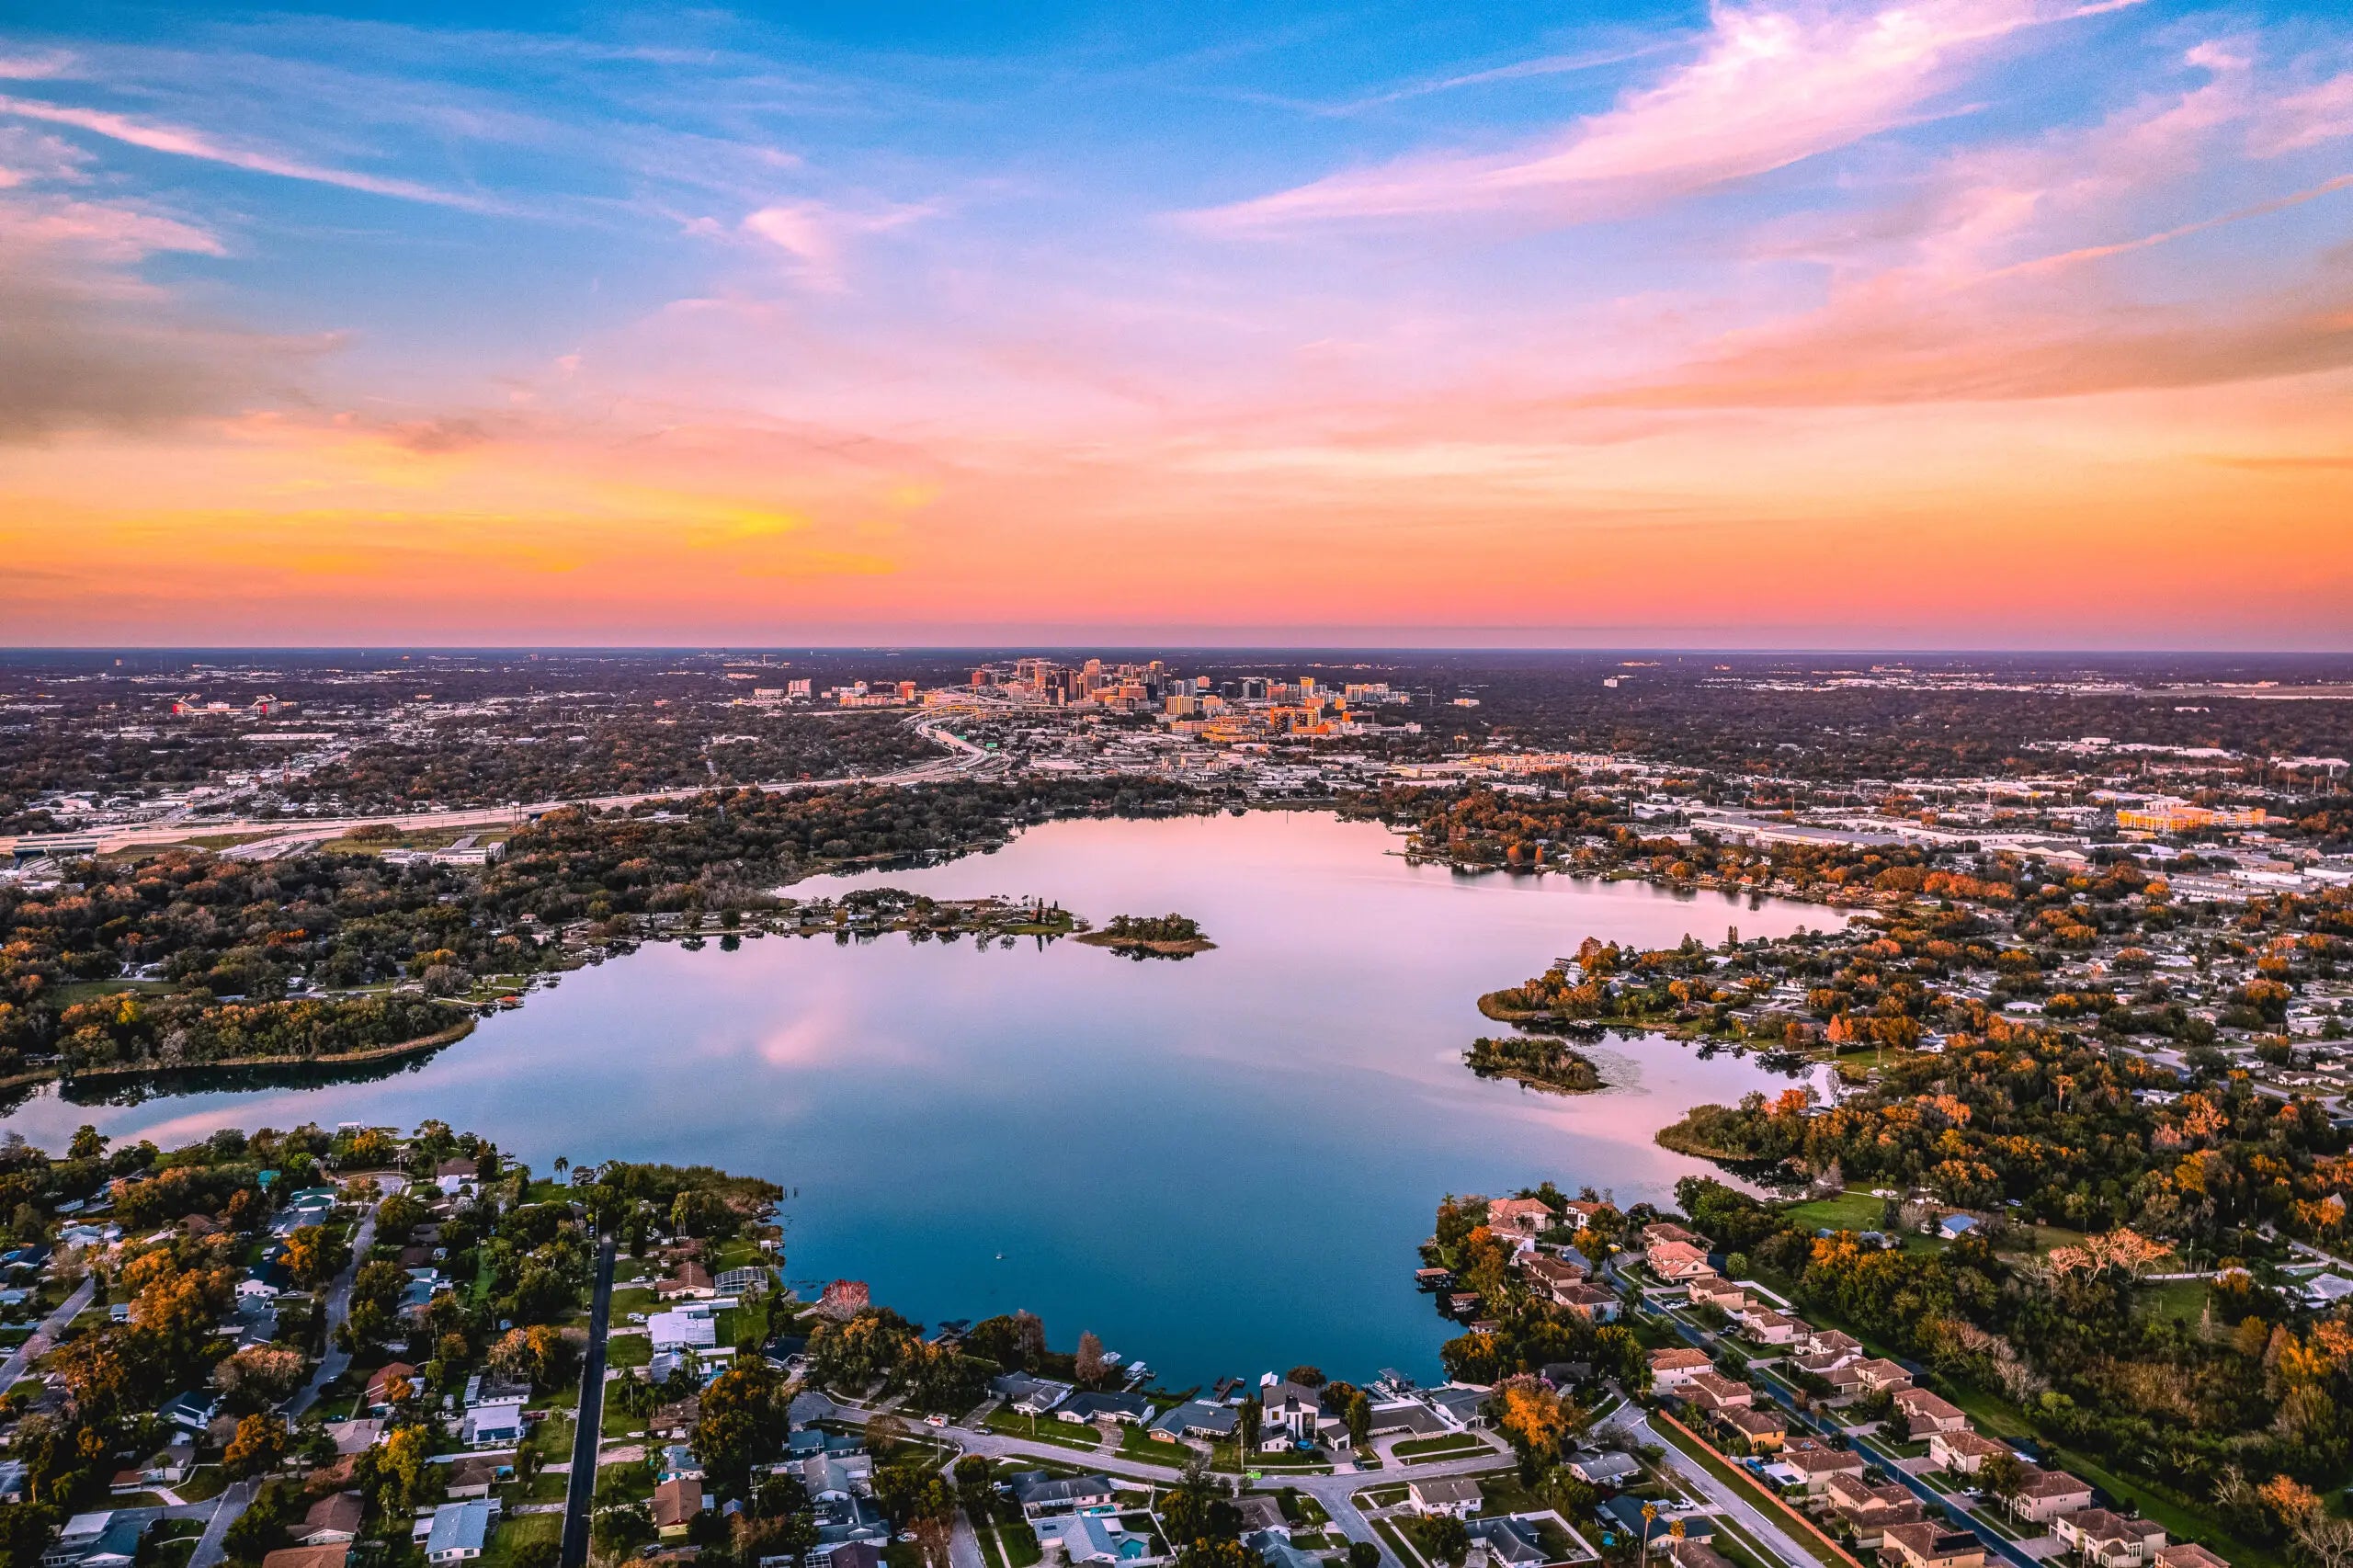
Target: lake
{"points": [[1221, 1164]]}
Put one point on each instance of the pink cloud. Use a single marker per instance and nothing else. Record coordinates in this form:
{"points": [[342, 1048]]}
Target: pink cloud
{"points": [[816, 234], [1770, 87]]}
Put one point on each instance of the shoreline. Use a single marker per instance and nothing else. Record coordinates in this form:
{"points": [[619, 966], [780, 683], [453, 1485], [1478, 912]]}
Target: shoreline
{"points": [[416, 1047], [1146, 944]]}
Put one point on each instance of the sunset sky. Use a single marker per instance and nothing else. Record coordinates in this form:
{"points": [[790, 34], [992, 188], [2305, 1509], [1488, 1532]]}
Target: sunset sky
{"points": [[1950, 323]]}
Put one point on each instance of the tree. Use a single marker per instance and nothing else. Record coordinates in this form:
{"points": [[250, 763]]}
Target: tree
{"points": [[744, 1420], [259, 1444], [1247, 1419], [884, 1434], [259, 1376], [1307, 1377], [1363, 1554], [1217, 1555], [261, 1528], [87, 1145], [314, 1256], [2002, 1474], [1529, 1416], [1090, 1358], [1441, 1538]]}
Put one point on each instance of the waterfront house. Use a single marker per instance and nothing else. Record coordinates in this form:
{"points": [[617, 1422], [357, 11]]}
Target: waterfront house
{"points": [[1289, 1412], [2103, 1539], [684, 1328], [1028, 1395], [1195, 1418], [1461, 1405], [1592, 1303], [1519, 1216], [1127, 1409], [1547, 1274], [2046, 1493], [1455, 1494]]}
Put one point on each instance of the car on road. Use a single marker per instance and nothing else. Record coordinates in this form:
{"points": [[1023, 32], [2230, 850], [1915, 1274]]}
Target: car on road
{"points": [[934, 1419]]}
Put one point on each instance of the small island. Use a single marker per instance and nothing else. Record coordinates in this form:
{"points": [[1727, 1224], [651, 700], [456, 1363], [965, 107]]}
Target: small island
{"points": [[1151, 935], [1537, 1062]]}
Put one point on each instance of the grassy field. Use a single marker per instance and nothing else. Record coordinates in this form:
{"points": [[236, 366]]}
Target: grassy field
{"points": [[1047, 1430], [1453, 1443], [2183, 1298], [1847, 1211]]}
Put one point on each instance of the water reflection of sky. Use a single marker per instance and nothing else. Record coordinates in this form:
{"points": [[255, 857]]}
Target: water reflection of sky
{"points": [[1221, 1164]]}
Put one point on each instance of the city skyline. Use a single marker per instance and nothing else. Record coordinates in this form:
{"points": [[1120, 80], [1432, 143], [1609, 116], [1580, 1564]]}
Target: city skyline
{"points": [[1960, 324]]}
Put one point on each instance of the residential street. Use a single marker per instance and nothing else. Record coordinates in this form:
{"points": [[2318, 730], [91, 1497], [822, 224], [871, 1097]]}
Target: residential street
{"points": [[1634, 1426], [44, 1336], [210, 1548], [587, 1438], [332, 1364]]}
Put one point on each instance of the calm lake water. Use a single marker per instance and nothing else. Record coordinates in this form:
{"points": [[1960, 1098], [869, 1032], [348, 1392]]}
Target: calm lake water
{"points": [[1221, 1164]]}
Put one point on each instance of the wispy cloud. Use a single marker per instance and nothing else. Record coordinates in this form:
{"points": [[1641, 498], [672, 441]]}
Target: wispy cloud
{"points": [[817, 235], [1770, 87], [186, 143]]}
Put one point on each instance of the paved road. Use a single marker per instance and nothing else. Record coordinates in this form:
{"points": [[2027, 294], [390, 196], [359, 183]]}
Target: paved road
{"points": [[44, 1336], [1630, 1420], [582, 1490], [211, 1547], [281, 833], [964, 1547], [332, 1364]]}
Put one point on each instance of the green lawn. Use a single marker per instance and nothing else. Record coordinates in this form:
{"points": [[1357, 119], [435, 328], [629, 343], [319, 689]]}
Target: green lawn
{"points": [[1453, 1443], [1847, 1211], [629, 1350], [1020, 1543], [512, 1531], [2182, 1299]]}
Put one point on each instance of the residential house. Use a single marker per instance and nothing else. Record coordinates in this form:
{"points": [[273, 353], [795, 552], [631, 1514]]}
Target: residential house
{"points": [[494, 1423], [1667, 1234], [1261, 1512], [1089, 1538], [1289, 1412], [830, 1478], [1814, 1464], [675, 1504], [456, 1532], [2103, 1539], [1696, 1554], [394, 1382], [1842, 1374], [1766, 1326], [333, 1520], [1763, 1426], [1678, 1262], [1127, 1409], [1195, 1418], [1677, 1365], [1828, 1342], [1654, 1527], [1511, 1542], [1463, 1406], [1929, 1413], [192, 1413], [1604, 1468], [684, 1328], [1547, 1274], [2046, 1493], [1963, 1452], [1594, 1303], [1870, 1511], [2188, 1554], [1040, 1495], [1713, 1290], [356, 1436], [472, 1475], [333, 1556], [1712, 1391], [106, 1539], [1455, 1494], [1879, 1373], [688, 1281], [1028, 1395], [1519, 1216], [453, 1177], [1930, 1546]]}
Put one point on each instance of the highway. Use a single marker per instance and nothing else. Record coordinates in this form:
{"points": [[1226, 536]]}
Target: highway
{"points": [[278, 835], [580, 1490]]}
